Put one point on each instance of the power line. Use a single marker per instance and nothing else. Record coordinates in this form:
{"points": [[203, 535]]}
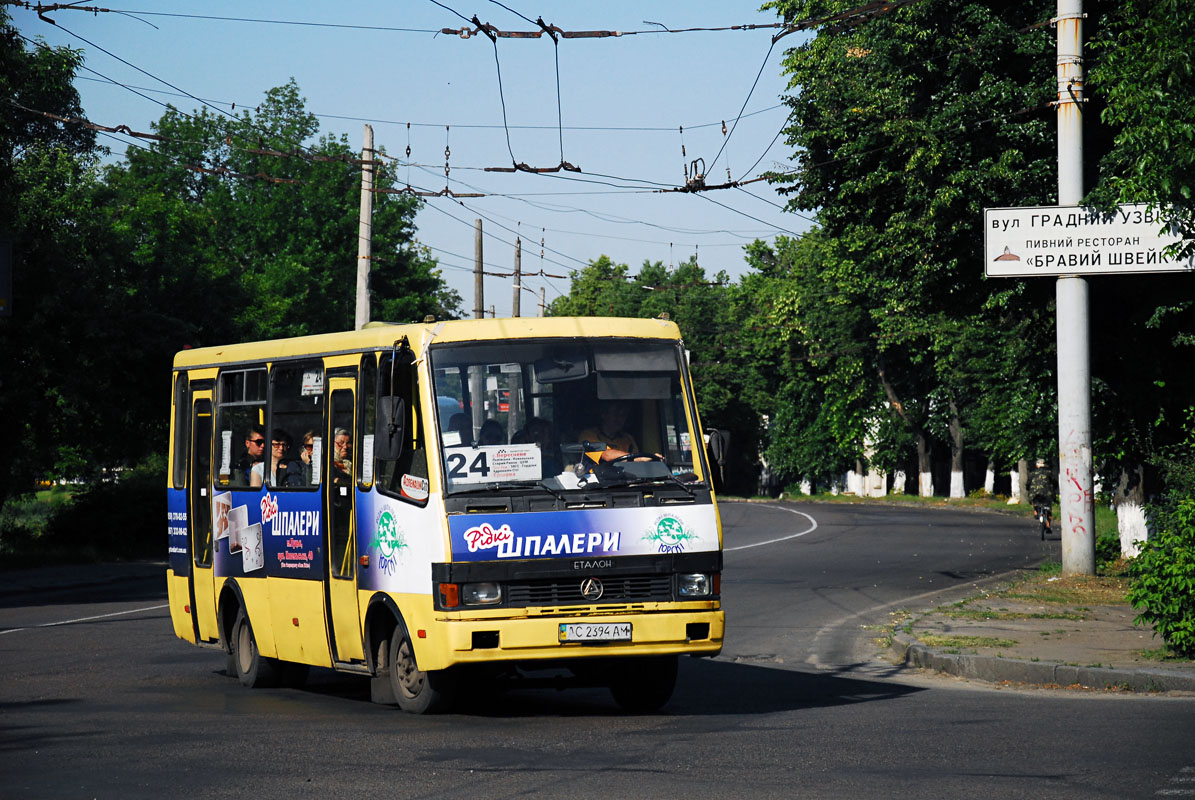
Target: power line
{"points": [[438, 125]]}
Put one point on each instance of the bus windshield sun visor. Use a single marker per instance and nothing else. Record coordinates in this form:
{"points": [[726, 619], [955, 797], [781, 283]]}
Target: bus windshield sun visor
{"points": [[633, 386]]}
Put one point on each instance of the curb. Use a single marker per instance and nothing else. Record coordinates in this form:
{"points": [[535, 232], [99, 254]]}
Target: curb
{"points": [[994, 669]]}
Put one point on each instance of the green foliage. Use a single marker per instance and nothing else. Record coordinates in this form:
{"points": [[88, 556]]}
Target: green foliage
{"points": [[907, 127], [282, 247], [119, 518], [1163, 589], [1145, 68], [117, 268]]}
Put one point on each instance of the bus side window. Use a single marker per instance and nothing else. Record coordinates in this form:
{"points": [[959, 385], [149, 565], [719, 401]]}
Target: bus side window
{"points": [[241, 417], [406, 476], [182, 429], [367, 414], [296, 421]]}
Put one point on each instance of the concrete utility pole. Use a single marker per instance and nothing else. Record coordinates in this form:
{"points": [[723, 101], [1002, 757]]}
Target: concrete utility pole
{"points": [[514, 308], [478, 274], [1075, 495], [365, 231], [477, 387]]}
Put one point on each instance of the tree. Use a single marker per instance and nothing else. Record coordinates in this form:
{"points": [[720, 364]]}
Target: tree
{"points": [[284, 218], [1144, 69], [46, 170], [908, 126], [222, 231], [1142, 72]]}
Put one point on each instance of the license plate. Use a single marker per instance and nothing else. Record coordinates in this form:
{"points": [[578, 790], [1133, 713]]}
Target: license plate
{"points": [[595, 632]]}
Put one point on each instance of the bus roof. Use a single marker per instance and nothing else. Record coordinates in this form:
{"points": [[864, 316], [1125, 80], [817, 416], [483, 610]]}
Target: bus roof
{"points": [[380, 336]]}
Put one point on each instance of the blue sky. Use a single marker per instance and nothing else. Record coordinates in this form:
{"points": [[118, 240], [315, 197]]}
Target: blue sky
{"points": [[622, 100]]}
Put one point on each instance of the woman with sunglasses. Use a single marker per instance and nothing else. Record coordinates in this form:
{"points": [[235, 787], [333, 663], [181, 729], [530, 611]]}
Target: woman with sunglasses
{"points": [[306, 454], [283, 472]]}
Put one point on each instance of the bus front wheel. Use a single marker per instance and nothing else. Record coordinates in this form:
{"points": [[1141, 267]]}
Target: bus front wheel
{"points": [[416, 691], [253, 669]]}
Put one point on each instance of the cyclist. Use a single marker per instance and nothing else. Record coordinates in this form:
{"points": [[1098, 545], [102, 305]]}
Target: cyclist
{"points": [[1041, 495]]}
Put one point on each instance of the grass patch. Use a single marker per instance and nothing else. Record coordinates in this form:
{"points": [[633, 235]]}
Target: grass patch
{"points": [[935, 640], [1161, 654], [986, 614], [1076, 590]]}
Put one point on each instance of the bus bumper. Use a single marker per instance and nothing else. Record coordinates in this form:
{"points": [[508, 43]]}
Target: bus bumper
{"points": [[468, 641]]}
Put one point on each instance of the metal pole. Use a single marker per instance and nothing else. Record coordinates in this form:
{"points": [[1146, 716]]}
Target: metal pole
{"points": [[365, 232], [1075, 496], [477, 385], [514, 307], [478, 274], [542, 304]]}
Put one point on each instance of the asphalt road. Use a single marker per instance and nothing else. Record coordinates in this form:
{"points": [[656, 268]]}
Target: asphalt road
{"points": [[112, 705]]}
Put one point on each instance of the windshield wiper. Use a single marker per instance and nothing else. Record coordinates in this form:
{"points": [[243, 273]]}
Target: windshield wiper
{"points": [[544, 485], [504, 486], [670, 478]]}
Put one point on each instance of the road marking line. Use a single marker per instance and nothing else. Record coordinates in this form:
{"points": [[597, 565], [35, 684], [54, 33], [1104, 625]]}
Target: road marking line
{"points": [[782, 538], [86, 619]]}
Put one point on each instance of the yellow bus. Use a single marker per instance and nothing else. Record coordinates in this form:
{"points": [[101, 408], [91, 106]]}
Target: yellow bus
{"points": [[446, 504]]}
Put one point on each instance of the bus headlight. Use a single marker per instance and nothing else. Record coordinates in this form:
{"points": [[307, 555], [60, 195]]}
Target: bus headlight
{"points": [[481, 594], [696, 584]]}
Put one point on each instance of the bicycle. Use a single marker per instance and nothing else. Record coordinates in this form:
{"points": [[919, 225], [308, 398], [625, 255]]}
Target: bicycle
{"points": [[1043, 511]]}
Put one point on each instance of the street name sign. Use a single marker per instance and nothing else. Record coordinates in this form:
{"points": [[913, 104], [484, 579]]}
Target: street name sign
{"points": [[1076, 240]]}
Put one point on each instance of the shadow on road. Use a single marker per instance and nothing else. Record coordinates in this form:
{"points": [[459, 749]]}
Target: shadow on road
{"points": [[704, 688], [76, 584]]}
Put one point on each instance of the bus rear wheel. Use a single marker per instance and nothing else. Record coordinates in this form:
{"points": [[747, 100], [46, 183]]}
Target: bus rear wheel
{"points": [[254, 670], [416, 691], [643, 685]]}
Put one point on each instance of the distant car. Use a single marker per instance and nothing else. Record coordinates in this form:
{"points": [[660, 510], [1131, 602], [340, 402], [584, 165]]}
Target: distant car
{"points": [[447, 406]]}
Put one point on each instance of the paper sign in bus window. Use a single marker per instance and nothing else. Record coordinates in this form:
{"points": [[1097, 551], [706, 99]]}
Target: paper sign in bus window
{"points": [[367, 458], [494, 463], [225, 452], [317, 460]]}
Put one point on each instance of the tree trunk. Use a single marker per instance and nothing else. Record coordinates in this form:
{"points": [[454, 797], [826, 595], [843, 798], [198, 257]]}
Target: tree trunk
{"points": [[925, 475], [1129, 500], [957, 490], [989, 479], [925, 478]]}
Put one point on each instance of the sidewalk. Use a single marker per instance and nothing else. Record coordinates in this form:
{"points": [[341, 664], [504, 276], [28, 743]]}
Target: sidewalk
{"points": [[1075, 632]]}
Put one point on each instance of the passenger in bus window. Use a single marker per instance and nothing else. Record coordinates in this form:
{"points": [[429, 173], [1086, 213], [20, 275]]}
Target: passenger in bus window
{"points": [[340, 452], [252, 459], [283, 471], [491, 433], [306, 453]]}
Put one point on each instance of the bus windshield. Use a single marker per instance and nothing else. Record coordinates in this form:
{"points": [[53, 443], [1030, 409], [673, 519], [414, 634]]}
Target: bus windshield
{"points": [[559, 414]]}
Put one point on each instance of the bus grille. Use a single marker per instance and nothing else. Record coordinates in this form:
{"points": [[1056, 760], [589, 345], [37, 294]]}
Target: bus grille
{"points": [[648, 588]]}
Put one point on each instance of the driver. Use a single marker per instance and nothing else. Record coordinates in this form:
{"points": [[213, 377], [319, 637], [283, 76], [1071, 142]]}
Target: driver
{"points": [[612, 418]]}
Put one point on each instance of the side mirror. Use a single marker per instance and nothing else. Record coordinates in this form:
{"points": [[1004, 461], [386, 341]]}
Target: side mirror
{"points": [[717, 446], [390, 430]]}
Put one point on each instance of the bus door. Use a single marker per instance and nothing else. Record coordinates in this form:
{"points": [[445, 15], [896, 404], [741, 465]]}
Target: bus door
{"points": [[200, 545], [342, 465]]}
